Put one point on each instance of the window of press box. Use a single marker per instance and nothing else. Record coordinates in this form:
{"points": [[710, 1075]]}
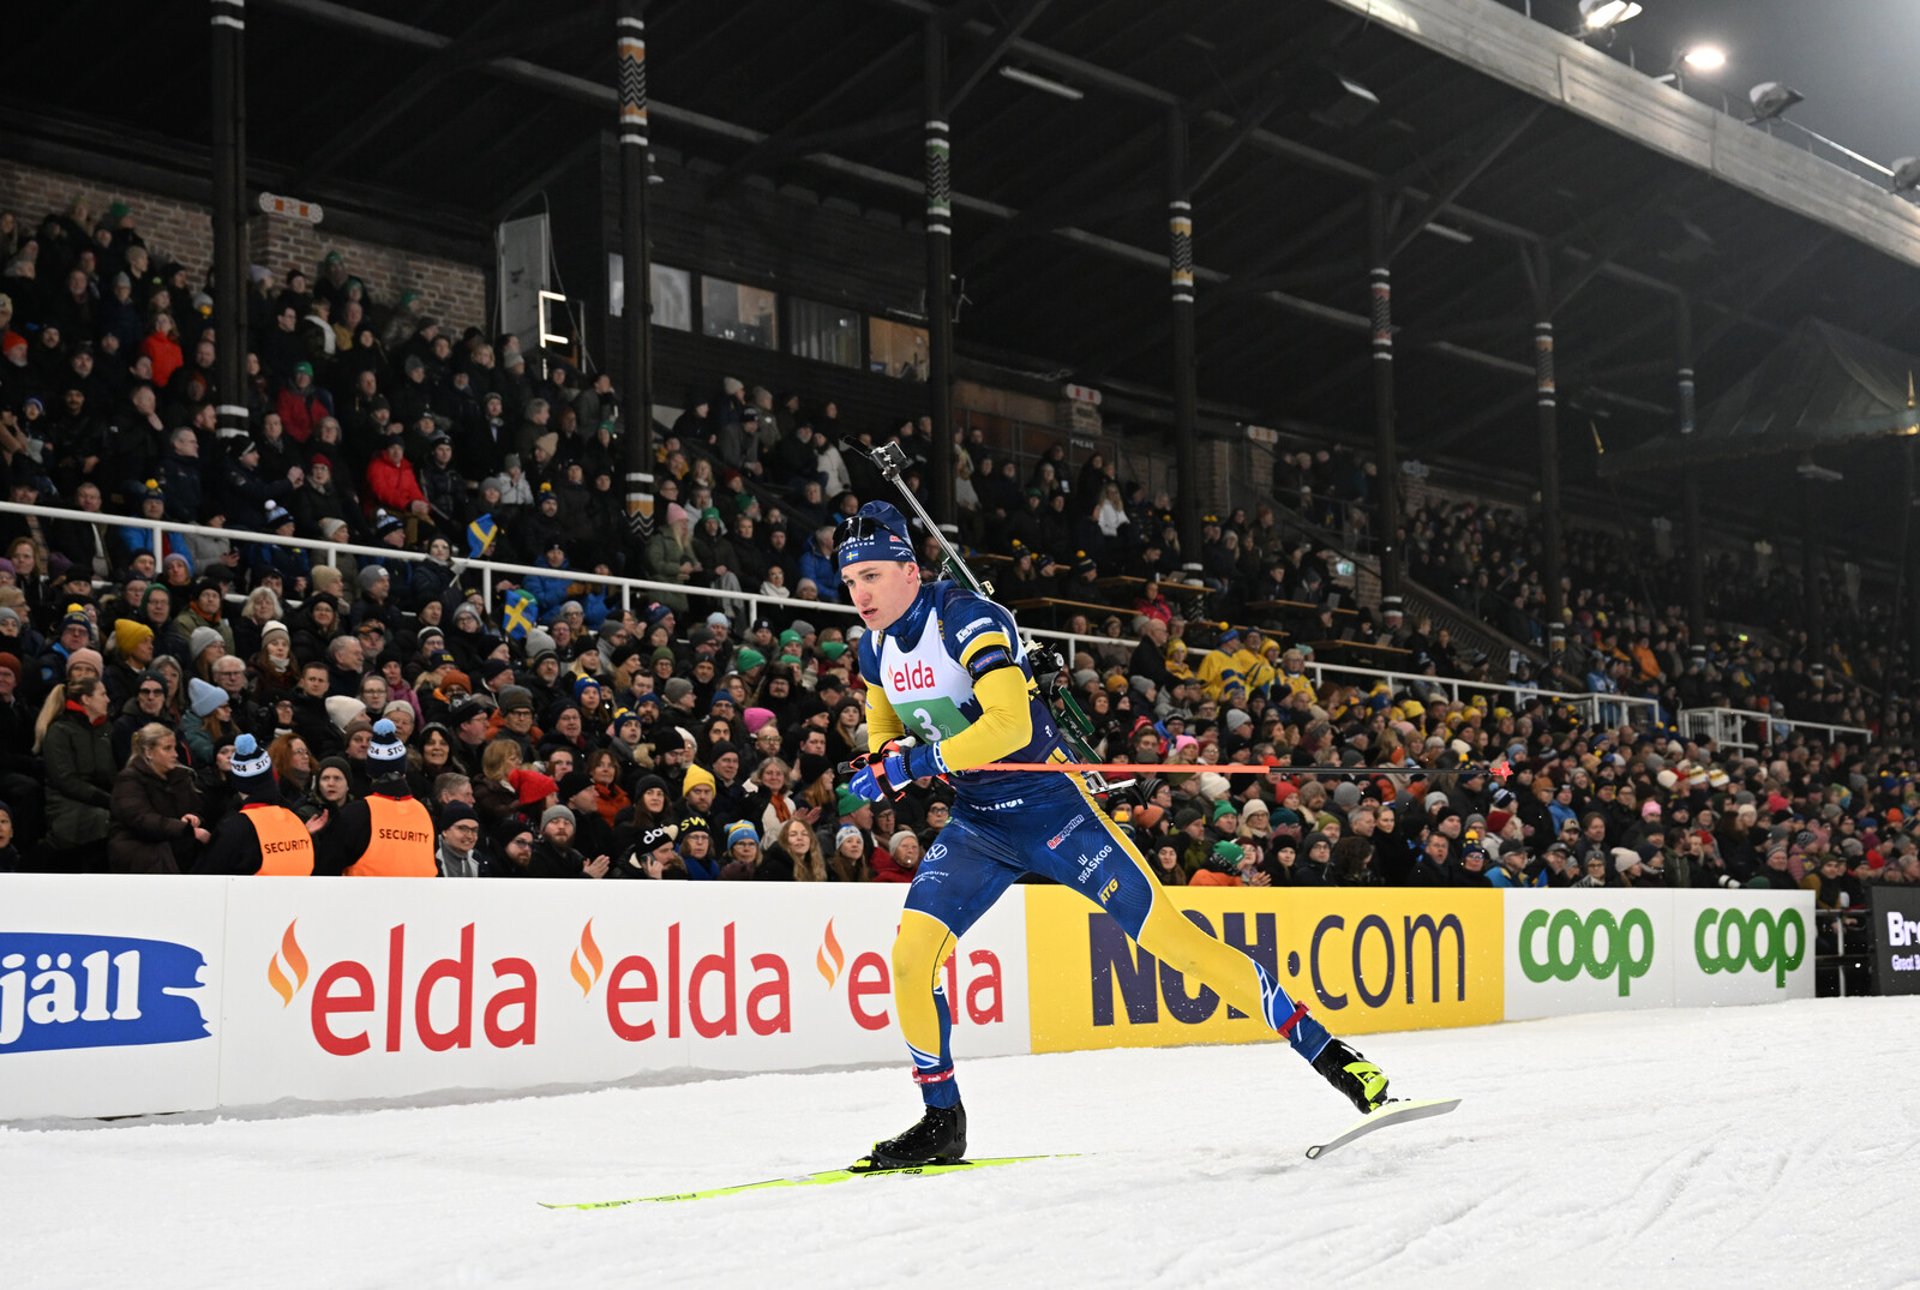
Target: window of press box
{"points": [[738, 312], [672, 294], [897, 349], [822, 332], [672, 298]]}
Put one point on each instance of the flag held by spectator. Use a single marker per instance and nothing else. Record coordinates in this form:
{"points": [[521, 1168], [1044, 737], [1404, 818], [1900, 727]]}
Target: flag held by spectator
{"points": [[480, 536], [518, 613]]}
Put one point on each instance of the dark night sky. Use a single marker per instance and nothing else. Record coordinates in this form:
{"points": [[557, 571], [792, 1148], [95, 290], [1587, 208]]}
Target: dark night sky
{"points": [[1853, 59]]}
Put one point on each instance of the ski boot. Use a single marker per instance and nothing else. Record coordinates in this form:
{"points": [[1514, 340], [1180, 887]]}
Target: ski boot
{"points": [[939, 1138], [1359, 1080]]}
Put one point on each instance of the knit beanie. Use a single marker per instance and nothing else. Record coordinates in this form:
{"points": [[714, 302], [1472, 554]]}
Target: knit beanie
{"points": [[386, 752], [553, 813], [128, 636], [740, 831], [343, 708], [204, 698], [531, 786], [250, 761], [202, 637], [696, 776], [84, 655]]}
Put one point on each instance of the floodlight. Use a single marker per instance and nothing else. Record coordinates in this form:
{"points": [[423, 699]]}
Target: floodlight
{"points": [[1604, 15], [1771, 98], [1705, 58]]}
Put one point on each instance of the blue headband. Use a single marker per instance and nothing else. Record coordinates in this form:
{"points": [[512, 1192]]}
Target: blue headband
{"points": [[877, 532]]}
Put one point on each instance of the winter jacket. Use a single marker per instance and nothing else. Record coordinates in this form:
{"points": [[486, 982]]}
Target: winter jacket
{"points": [[391, 486], [148, 834], [80, 771]]}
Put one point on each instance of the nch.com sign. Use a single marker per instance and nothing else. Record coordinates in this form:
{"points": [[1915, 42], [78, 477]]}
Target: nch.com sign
{"points": [[1579, 951]]}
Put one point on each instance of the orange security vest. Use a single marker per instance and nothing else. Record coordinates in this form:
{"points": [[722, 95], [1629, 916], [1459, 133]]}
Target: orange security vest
{"points": [[399, 841], [286, 848]]}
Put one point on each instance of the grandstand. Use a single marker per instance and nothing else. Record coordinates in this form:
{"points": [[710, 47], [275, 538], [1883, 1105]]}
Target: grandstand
{"points": [[1416, 400]]}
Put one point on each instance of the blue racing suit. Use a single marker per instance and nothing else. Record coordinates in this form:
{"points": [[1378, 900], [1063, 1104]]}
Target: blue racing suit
{"points": [[952, 672]]}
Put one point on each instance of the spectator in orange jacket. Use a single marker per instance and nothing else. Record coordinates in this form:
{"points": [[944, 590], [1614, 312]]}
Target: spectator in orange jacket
{"points": [[391, 483]]}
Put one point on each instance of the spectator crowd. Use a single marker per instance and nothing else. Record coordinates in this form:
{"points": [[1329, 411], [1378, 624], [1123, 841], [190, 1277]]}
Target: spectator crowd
{"points": [[554, 730]]}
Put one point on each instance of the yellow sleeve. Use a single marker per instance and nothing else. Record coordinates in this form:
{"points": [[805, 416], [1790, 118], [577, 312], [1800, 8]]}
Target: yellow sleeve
{"points": [[883, 723], [1005, 725]]}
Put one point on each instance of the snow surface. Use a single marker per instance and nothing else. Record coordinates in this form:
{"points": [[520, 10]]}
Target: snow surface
{"points": [[1781, 1144]]}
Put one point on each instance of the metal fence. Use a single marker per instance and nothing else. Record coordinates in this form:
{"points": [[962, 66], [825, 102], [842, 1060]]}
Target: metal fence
{"points": [[1751, 731], [491, 570], [1600, 709]]}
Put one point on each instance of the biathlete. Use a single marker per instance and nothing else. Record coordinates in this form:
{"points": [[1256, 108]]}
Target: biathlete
{"points": [[946, 667]]}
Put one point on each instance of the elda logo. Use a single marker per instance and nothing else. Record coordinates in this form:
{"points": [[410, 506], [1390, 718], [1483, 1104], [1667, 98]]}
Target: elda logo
{"points": [[978, 996], [62, 991], [348, 996], [710, 998]]}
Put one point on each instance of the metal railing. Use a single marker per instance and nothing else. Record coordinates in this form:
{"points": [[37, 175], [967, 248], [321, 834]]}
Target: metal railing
{"points": [[1843, 957], [488, 570], [1731, 727], [1600, 709]]}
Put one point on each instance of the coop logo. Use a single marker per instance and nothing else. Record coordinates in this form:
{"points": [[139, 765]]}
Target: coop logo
{"points": [[63, 991], [976, 990], [1735, 940], [354, 1004], [1596, 945]]}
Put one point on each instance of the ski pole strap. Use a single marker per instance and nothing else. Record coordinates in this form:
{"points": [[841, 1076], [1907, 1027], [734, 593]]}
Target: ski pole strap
{"points": [[941, 1077], [1286, 1027]]}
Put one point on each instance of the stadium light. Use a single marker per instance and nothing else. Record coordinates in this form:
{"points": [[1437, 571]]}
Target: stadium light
{"points": [[1705, 58], [1769, 99], [1605, 15], [1041, 83]]}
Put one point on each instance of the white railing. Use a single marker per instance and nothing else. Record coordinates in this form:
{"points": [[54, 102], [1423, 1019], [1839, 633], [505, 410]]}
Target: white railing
{"points": [[1601, 709], [487, 569], [1749, 731]]}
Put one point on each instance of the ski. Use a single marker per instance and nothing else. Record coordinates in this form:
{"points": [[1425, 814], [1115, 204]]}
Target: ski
{"points": [[820, 1179], [1391, 1113]]}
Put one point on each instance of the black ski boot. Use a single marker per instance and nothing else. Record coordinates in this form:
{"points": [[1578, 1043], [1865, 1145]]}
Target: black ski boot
{"points": [[940, 1137], [1358, 1080]]}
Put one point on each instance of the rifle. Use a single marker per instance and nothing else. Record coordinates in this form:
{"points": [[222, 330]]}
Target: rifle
{"points": [[1076, 728]]}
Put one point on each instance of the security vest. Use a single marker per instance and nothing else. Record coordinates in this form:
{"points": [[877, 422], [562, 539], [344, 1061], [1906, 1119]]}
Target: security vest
{"points": [[399, 841], [286, 848]]}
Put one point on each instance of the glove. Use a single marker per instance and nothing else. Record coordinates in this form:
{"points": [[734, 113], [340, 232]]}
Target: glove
{"points": [[892, 770]]}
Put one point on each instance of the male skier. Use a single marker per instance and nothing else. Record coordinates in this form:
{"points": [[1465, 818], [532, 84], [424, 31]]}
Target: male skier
{"points": [[945, 667]]}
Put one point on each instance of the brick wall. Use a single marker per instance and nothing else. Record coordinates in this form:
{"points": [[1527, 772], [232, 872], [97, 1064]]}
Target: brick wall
{"points": [[455, 293], [172, 229]]}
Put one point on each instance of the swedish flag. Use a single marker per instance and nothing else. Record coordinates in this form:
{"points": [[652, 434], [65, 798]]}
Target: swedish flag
{"points": [[480, 535], [517, 613]]}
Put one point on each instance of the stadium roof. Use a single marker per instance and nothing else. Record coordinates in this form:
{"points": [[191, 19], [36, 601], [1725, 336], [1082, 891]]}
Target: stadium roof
{"points": [[451, 114]]}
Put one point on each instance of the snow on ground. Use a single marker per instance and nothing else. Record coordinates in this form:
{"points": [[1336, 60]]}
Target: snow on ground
{"points": [[1780, 1144]]}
